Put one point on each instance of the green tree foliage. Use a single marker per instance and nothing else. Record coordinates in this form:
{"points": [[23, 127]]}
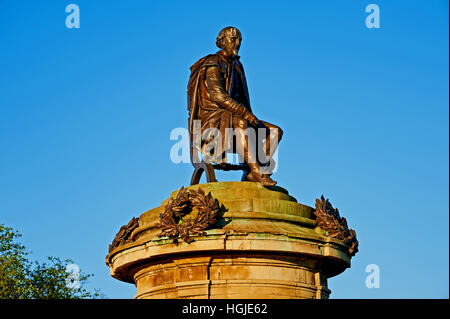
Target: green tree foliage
{"points": [[21, 278]]}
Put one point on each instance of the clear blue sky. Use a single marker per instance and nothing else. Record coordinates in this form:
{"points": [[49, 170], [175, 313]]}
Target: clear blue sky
{"points": [[86, 114]]}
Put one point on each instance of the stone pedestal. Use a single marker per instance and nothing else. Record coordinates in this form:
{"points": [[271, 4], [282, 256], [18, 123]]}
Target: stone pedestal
{"points": [[263, 245]]}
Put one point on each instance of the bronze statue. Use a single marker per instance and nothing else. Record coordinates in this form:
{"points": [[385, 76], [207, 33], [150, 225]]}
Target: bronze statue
{"points": [[218, 98]]}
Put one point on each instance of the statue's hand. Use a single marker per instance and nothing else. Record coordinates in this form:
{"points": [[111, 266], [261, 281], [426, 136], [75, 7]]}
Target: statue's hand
{"points": [[251, 119]]}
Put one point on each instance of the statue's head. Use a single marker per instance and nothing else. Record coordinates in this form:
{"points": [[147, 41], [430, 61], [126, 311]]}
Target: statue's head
{"points": [[229, 40]]}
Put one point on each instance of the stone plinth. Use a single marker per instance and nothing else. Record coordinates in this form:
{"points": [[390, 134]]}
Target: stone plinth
{"points": [[264, 245]]}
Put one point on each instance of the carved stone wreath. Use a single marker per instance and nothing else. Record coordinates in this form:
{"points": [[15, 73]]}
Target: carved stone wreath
{"points": [[328, 218], [188, 214]]}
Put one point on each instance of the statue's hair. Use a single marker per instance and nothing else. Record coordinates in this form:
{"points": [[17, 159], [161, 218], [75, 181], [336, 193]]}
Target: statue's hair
{"points": [[222, 33]]}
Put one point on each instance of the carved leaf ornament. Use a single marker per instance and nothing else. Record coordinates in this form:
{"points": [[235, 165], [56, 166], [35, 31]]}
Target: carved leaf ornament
{"points": [[328, 218], [188, 214]]}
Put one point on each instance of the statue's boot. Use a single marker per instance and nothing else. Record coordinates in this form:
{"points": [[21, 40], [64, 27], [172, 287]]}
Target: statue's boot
{"points": [[268, 167], [255, 176]]}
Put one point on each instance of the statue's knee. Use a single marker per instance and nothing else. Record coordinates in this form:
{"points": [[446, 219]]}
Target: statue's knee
{"points": [[280, 133]]}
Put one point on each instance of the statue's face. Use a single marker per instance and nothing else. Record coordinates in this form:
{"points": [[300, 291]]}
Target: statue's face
{"points": [[232, 42]]}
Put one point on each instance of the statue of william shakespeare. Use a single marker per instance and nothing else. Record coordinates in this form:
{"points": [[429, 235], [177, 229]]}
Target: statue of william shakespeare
{"points": [[220, 116]]}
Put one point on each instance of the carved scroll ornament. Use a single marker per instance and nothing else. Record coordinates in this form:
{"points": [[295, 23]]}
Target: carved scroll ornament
{"points": [[124, 234], [328, 219]]}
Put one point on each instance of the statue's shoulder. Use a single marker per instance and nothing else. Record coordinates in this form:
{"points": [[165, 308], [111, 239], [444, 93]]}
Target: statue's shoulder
{"points": [[209, 60]]}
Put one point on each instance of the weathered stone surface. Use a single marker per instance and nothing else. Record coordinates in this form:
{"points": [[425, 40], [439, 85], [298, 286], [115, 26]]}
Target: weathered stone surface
{"points": [[265, 245]]}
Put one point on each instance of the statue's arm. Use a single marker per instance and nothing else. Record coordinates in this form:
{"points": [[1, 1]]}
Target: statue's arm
{"points": [[218, 94]]}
